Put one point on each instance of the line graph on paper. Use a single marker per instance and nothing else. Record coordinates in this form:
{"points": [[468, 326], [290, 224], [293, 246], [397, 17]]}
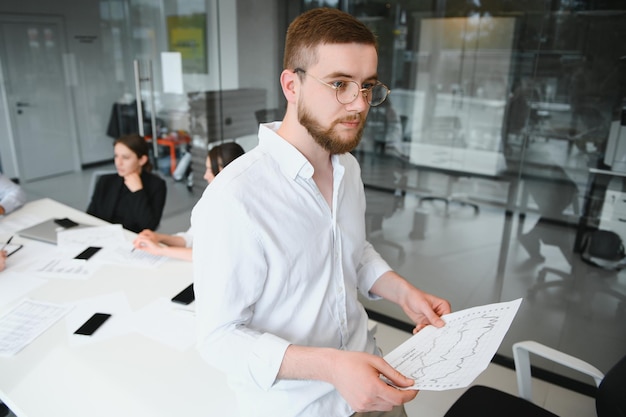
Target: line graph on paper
{"points": [[454, 355]]}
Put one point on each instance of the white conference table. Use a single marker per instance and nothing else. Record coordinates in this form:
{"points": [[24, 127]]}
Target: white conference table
{"points": [[127, 375]]}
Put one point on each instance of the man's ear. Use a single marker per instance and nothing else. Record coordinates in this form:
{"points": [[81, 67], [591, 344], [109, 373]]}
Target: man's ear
{"points": [[289, 84]]}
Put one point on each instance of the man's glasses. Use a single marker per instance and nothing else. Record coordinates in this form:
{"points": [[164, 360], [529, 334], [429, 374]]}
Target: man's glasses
{"points": [[347, 91]]}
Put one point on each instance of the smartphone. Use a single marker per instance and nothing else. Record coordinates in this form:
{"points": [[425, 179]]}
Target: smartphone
{"points": [[88, 253], [90, 326], [186, 296], [65, 223]]}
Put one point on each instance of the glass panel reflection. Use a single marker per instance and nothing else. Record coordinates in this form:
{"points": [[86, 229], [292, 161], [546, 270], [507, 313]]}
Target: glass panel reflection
{"points": [[496, 138]]}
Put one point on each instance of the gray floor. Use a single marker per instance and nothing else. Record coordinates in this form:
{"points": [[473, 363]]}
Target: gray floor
{"points": [[467, 258]]}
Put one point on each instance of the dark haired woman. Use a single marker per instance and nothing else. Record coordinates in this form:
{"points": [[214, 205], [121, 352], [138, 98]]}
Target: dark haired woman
{"points": [[134, 197], [179, 245]]}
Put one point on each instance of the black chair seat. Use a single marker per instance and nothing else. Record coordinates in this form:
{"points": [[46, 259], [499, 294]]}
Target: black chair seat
{"points": [[481, 401]]}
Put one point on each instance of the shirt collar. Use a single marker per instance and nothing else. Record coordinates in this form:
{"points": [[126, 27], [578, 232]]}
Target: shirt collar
{"points": [[291, 161]]}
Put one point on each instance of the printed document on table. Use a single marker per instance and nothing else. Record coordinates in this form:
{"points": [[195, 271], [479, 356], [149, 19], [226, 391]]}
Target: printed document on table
{"points": [[454, 355], [62, 267], [109, 235], [26, 322], [125, 254]]}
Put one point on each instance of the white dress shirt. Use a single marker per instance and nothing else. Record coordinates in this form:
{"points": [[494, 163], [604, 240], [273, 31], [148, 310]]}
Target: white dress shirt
{"points": [[11, 195], [273, 266]]}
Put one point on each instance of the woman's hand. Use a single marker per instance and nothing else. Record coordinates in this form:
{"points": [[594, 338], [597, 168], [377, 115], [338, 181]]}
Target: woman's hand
{"points": [[148, 245], [150, 235], [3, 259]]}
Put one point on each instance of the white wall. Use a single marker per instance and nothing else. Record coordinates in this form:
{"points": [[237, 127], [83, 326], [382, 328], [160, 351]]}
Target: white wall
{"points": [[92, 86]]}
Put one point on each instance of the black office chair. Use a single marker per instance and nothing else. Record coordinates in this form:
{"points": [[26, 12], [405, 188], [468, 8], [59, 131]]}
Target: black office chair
{"points": [[490, 402], [602, 257]]}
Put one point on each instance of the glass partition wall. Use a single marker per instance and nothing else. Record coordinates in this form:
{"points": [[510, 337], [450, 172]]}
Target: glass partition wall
{"points": [[500, 148], [493, 159]]}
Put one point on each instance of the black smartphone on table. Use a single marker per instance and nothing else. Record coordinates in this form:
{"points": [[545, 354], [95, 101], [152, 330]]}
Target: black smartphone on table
{"points": [[88, 253], [185, 297], [90, 326], [66, 223]]}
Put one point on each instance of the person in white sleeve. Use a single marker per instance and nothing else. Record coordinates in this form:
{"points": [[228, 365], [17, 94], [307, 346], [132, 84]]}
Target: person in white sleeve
{"points": [[12, 196], [280, 253], [179, 245]]}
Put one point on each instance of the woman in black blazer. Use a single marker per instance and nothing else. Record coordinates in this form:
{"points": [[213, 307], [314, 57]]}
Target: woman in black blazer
{"points": [[134, 197]]}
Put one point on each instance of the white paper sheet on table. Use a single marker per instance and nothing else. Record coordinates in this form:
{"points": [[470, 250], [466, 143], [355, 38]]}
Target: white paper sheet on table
{"points": [[123, 254], [167, 323], [62, 267], [453, 356], [102, 236], [120, 322], [26, 322]]}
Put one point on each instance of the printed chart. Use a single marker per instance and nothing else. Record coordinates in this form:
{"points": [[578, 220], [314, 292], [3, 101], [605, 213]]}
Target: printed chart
{"points": [[453, 356]]}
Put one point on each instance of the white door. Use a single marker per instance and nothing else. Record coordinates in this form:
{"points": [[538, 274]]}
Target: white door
{"points": [[38, 98]]}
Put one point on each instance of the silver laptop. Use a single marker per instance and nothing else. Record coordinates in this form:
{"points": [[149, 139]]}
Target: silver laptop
{"points": [[46, 231]]}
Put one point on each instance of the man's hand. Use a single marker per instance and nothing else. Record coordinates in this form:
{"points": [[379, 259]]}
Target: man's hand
{"points": [[419, 306], [356, 376], [424, 309]]}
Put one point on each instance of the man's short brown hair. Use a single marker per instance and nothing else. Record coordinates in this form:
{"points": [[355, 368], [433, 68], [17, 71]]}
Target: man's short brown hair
{"points": [[322, 26]]}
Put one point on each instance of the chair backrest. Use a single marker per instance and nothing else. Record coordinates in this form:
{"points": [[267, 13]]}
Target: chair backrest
{"points": [[611, 396], [603, 248], [94, 179]]}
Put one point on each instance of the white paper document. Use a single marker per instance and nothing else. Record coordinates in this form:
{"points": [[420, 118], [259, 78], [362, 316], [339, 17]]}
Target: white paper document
{"points": [[62, 268], [124, 254], [453, 356], [101, 236], [119, 324], [25, 322]]}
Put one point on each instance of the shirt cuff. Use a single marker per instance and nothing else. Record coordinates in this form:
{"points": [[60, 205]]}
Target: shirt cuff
{"points": [[266, 359], [369, 275]]}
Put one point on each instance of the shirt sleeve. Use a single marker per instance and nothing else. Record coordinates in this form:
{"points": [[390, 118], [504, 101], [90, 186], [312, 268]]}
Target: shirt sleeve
{"points": [[229, 276], [12, 196], [187, 236], [371, 268]]}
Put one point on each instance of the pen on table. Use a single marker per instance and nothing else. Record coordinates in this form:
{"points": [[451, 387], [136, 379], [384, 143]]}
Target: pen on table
{"points": [[6, 243]]}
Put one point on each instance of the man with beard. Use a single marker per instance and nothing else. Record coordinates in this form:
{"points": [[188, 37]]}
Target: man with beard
{"points": [[281, 254]]}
